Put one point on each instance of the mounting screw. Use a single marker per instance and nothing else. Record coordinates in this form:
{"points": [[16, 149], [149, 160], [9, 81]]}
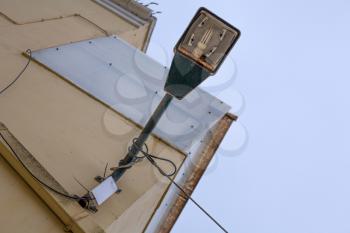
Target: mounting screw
{"points": [[93, 209], [118, 191], [67, 228], [99, 179]]}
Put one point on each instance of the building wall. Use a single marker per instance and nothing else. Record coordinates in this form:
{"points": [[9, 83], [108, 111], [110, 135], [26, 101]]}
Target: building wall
{"points": [[106, 22], [22, 210], [62, 127]]}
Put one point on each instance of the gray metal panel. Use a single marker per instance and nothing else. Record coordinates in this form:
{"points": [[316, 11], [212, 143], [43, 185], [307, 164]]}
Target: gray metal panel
{"points": [[132, 83]]}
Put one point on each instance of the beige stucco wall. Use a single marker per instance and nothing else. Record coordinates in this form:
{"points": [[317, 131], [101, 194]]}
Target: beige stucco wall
{"points": [[65, 129], [22, 210]]}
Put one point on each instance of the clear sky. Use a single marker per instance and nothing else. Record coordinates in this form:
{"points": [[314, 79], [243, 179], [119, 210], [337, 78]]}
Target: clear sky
{"points": [[289, 80]]}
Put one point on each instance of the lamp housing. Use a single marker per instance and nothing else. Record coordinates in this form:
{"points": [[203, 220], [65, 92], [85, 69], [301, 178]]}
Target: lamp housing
{"points": [[200, 52]]}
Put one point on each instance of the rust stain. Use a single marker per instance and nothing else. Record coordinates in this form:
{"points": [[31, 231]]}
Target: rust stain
{"points": [[206, 156]]}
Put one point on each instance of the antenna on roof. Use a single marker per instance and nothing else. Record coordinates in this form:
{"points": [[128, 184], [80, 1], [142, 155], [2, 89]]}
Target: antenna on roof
{"points": [[152, 3]]}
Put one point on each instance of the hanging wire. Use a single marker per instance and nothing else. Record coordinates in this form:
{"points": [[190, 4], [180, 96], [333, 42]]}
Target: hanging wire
{"points": [[152, 159], [29, 52], [149, 157], [65, 195]]}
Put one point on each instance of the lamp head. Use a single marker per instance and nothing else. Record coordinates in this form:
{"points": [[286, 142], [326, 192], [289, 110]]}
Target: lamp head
{"points": [[200, 52], [207, 40]]}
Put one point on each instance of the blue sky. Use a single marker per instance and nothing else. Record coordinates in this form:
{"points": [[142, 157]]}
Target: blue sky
{"points": [[291, 90]]}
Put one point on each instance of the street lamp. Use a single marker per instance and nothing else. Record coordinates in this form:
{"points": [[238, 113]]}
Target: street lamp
{"points": [[199, 53]]}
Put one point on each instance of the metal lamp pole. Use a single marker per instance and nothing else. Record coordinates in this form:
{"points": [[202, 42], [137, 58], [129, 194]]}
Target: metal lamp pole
{"points": [[145, 133], [199, 53]]}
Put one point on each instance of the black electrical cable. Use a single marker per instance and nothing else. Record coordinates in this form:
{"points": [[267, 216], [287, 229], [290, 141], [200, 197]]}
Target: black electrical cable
{"points": [[72, 197], [29, 52], [151, 158]]}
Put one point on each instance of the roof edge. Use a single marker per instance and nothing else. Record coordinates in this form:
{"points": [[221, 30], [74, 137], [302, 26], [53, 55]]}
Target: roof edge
{"points": [[214, 139], [135, 13]]}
